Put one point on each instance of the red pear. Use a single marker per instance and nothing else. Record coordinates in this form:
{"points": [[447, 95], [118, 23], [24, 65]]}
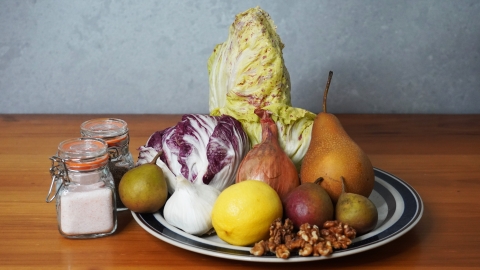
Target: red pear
{"points": [[308, 203]]}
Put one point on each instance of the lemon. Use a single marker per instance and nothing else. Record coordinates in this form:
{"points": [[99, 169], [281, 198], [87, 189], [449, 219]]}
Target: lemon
{"points": [[243, 212]]}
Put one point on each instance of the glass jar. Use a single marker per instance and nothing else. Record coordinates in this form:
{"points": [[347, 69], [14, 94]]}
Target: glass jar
{"points": [[85, 197], [115, 133]]}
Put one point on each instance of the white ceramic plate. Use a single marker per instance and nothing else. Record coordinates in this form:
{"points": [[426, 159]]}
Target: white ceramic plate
{"points": [[399, 209]]}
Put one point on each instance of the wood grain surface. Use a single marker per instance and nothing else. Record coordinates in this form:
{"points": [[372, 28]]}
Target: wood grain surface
{"points": [[438, 155]]}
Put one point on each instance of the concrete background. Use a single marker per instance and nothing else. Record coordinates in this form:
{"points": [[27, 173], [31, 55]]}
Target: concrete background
{"points": [[101, 56]]}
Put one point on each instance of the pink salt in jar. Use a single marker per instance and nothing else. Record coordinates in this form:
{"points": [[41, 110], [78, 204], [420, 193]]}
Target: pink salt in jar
{"points": [[85, 195]]}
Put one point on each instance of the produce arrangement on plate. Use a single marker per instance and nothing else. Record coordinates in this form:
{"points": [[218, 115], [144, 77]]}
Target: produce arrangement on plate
{"points": [[257, 177], [258, 172]]}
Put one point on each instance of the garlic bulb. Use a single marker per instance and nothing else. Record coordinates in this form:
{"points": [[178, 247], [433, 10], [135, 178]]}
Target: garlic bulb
{"points": [[190, 206]]}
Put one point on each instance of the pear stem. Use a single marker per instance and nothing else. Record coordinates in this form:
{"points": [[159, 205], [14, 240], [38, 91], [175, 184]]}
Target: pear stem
{"points": [[154, 160], [325, 93], [343, 184], [318, 181]]}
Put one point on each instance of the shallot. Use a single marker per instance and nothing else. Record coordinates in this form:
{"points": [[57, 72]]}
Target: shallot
{"points": [[268, 162]]}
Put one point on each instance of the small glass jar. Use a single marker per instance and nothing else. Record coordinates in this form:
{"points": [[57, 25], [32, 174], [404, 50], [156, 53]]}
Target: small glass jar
{"points": [[85, 199], [115, 133]]}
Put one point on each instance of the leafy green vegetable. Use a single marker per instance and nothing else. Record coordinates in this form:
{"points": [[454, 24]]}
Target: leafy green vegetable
{"points": [[247, 72]]}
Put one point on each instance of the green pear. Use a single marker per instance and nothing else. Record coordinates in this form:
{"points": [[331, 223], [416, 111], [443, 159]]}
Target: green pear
{"points": [[143, 189], [357, 211]]}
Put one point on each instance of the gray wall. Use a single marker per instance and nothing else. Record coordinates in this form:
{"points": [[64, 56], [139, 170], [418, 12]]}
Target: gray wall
{"points": [[99, 56]]}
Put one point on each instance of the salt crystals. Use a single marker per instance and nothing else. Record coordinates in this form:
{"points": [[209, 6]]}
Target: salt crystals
{"points": [[87, 210]]}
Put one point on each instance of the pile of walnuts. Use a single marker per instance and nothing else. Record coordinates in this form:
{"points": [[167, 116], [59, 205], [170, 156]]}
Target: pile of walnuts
{"points": [[307, 241]]}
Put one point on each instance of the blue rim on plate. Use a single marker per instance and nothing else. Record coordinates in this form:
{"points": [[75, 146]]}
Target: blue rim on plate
{"points": [[399, 207]]}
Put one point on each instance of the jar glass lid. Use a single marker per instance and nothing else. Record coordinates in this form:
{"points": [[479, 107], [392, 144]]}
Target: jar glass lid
{"points": [[82, 148], [103, 128]]}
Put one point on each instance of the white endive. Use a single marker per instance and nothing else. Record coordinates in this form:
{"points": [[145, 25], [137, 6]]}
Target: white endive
{"points": [[190, 206]]}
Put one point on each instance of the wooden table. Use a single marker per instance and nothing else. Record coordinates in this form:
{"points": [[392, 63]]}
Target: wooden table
{"points": [[439, 155]]}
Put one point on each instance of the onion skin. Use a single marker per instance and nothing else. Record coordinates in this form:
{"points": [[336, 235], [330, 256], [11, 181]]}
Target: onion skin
{"points": [[267, 162]]}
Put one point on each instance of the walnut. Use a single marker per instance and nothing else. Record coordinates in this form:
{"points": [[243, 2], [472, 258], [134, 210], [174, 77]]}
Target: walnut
{"points": [[282, 251], [338, 234], [346, 230], [338, 227], [280, 234], [309, 240], [288, 228], [309, 233], [271, 246], [333, 226], [342, 242], [276, 231], [306, 250], [349, 231], [323, 248], [259, 248], [327, 235], [295, 243]]}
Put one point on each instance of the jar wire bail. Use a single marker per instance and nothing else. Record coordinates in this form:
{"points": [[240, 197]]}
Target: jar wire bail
{"points": [[58, 170]]}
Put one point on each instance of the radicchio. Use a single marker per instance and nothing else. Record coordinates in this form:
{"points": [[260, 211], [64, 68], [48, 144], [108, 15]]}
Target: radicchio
{"points": [[204, 149]]}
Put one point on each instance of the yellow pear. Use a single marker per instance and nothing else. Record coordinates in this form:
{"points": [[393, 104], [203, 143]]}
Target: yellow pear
{"points": [[332, 154]]}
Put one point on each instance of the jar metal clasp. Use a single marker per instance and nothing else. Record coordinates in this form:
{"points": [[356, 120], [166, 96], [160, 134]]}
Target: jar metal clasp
{"points": [[58, 171], [114, 152]]}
